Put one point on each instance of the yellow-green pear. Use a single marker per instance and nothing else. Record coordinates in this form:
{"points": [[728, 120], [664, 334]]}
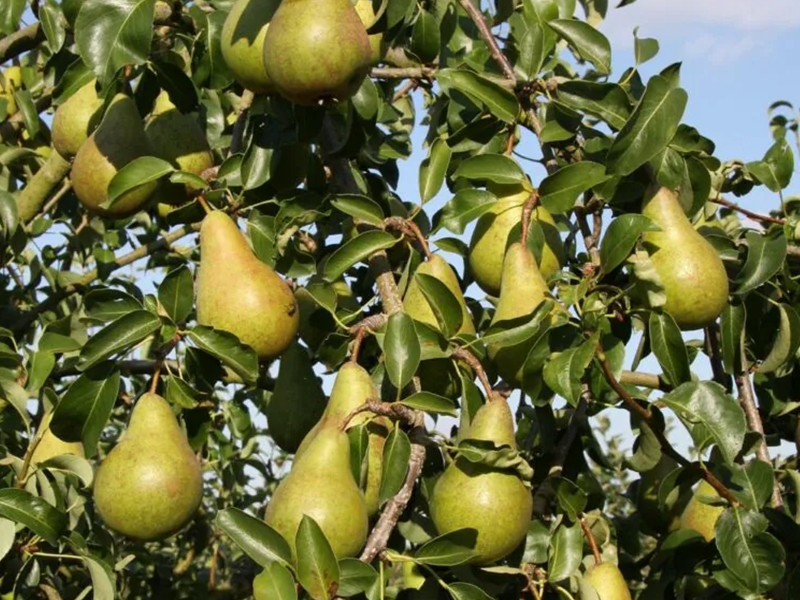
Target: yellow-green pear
{"points": [[118, 140], [150, 485], [366, 12], [75, 119], [317, 50], [50, 445], [321, 485], [701, 516], [242, 43], [10, 81], [238, 293], [694, 278], [606, 581], [496, 229], [494, 502]]}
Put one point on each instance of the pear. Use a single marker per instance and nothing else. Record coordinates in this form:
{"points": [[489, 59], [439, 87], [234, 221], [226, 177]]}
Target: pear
{"points": [[352, 388], [10, 81], [75, 119], [699, 515], [694, 278], [242, 43], [316, 50], [321, 485], [118, 140], [366, 12], [496, 229], [50, 445], [606, 581], [238, 293], [150, 485], [178, 139], [297, 401], [494, 502]]}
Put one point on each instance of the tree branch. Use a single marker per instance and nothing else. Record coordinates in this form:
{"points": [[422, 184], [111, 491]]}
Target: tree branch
{"points": [[715, 356], [20, 41], [33, 196], [483, 27], [647, 380], [748, 213]]}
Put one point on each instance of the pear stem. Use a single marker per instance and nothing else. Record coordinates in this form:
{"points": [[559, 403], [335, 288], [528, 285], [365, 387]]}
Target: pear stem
{"points": [[527, 208], [361, 329], [587, 532], [465, 356], [161, 356], [204, 204]]}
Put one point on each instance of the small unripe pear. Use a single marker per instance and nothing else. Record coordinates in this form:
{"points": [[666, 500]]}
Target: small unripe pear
{"points": [[607, 582], [701, 516], [75, 119]]}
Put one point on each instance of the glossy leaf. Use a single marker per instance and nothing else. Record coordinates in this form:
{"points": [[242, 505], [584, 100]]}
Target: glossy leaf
{"points": [[396, 453], [765, 256], [430, 403], [444, 304], [32, 512], [466, 206], [667, 344], [590, 44], [257, 539], [402, 350], [275, 582], [136, 173], [317, 568], [620, 238], [356, 250], [500, 102], [226, 347], [559, 191], [118, 336], [433, 169], [359, 207], [490, 167], [565, 554], [448, 550], [176, 294]]}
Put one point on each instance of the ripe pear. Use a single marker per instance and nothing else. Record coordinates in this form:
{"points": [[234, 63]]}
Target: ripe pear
{"points": [[50, 445], [607, 582], [150, 485], [699, 515], [317, 50], [501, 226], [494, 502], [366, 12], [178, 139], [238, 293], [321, 485], [690, 269], [118, 140], [75, 119], [9, 83], [242, 43], [352, 388]]}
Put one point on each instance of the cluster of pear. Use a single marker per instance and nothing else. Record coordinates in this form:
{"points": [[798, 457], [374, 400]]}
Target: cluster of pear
{"points": [[101, 142], [306, 50]]}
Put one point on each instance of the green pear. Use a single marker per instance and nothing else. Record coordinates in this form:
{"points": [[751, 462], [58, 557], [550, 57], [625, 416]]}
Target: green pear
{"points": [[238, 293], [606, 581], [150, 485], [352, 388], [494, 502], [366, 12], [179, 140], [75, 119], [496, 229], [317, 50], [118, 140], [699, 515], [694, 278], [242, 43], [321, 485], [297, 401], [50, 445]]}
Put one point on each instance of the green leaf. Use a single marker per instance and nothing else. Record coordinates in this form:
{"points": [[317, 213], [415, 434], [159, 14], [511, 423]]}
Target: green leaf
{"points": [[431, 403], [136, 173], [590, 44], [756, 480], [571, 498], [606, 101], [786, 342], [366, 101], [57, 343], [644, 49], [356, 250], [425, 37], [257, 539], [667, 344], [70, 463], [731, 331], [317, 568], [104, 582], [33, 512], [460, 590], [83, 411], [112, 34], [275, 582], [710, 414], [765, 256], [106, 305], [176, 293], [500, 102], [7, 535], [563, 371], [355, 577], [566, 552], [433, 169], [396, 454], [118, 336], [227, 347], [401, 349], [496, 168], [620, 238], [466, 206], [559, 191], [359, 207], [444, 304], [776, 168], [448, 550], [649, 129], [27, 107], [211, 69]]}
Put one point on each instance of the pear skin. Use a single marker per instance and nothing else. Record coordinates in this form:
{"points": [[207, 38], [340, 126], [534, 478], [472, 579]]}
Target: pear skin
{"points": [[150, 485], [50, 445], [700, 516], [118, 140], [496, 503], [493, 234], [607, 582], [321, 485], [10, 81], [317, 50], [242, 43], [366, 12], [75, 119], [690, 269], [238, 293]]}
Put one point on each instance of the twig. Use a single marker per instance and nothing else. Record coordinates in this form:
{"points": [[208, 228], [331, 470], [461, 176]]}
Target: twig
{"points": [[748, 213], [648, 380], [472, 361], [66, 186], [587, 532], [715, 356], [22, 476], [591, 237], [356, 349], [629, 401], [161, 355], [405, 90], [384, 409], [241, 118], [409, 228], [21, 41], [530, 204], [483, 28]]}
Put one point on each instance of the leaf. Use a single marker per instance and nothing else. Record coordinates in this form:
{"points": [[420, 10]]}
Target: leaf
{"points": [[643, 48], [7, 535], [620, 238], [401, 349], [566, 552], [53, 26], [104, 583], [765, 256], [356, 250], [448, 550], [731, 331], [176, 293], [33, 512], [425, 37], [590, 44], [500, 102], [359, 207], [460, 590], [70, 463], [227, 348], [710, 414], [756, 481], [136, 173], [106, 304], [571, 498], [257, 539], [118, 336], [559, 191], [444, 304], [667, 344], [649, 129], [786, 342], [496, 168], [317, 568], [776, 168], [112, 34], [466, 206], [563, 372], [355, 577], [433, 169], [431, 403], [83, 411], [275, 582], [606, 101], [396, 454]]}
